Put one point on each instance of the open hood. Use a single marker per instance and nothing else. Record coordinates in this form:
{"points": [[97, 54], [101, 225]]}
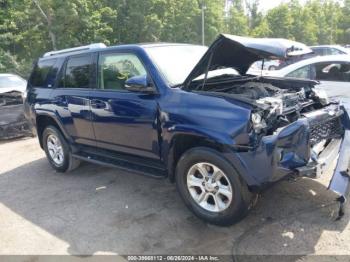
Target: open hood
{"points": [[229, 51]]}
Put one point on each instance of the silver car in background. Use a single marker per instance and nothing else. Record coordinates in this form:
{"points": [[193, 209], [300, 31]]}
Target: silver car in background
{"points": [[323, 50], [333, 73]]}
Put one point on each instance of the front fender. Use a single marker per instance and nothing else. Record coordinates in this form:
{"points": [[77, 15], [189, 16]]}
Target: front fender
{"points": [[218, 140]]}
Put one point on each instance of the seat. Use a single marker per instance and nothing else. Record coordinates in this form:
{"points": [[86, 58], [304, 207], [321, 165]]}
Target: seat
{"points": [[111, 79], [333, 73]]}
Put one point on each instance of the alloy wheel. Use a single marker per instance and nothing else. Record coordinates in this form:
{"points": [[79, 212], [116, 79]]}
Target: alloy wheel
{"points": [[209, 187], [55, 149]]}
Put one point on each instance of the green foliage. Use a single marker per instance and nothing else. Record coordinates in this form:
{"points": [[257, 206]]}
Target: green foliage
{"points": [[28, 28], [237, 22], [10, 64]]}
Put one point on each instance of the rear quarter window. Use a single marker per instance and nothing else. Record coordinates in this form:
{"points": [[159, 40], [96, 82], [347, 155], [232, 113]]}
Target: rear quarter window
{"points": [[44, 74]]}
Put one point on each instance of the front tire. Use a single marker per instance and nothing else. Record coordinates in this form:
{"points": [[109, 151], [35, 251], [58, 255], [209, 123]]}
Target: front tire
{"points": [[57, 150], [211, 187]]}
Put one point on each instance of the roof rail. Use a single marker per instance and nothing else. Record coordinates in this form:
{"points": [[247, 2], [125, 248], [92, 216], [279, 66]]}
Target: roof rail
{"points": [[75, 49]]}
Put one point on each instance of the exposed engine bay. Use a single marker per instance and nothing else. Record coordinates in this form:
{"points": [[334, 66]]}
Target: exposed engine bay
{"points": [[278, 107], [277, 102]]}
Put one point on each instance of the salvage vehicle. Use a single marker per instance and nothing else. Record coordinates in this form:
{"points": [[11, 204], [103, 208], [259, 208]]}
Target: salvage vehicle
{"points": [[12, 121], [190, 114]]}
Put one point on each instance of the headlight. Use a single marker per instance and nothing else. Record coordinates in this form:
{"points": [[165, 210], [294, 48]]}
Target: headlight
{"points": [[322, 95], [258, 122], [256, 118]]}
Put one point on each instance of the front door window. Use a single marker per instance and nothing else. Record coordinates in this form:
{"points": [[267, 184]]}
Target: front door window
{"points": [[115, 69]]}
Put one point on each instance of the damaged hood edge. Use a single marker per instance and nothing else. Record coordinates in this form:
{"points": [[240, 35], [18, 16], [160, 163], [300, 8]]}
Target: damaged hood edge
{"points": [[241, 52]]}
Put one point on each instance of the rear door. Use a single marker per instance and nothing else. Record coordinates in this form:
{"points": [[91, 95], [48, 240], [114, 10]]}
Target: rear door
{"points": [[71, 98], [123, 121]]}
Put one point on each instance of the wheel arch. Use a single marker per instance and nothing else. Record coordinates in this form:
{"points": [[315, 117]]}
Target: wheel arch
{"points": [[44, 120], [182, 142]]}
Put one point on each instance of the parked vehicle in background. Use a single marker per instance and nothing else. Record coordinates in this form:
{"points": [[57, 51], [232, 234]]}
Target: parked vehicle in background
{"points": [[266, 65], [11, 82], [333, 73], [301, 52], [12, 121], [189, 114], [323, 50]]}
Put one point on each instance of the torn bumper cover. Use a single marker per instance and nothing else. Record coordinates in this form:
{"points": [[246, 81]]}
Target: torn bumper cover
{"points": [[333, 156], [317, 143], [12, 121]]}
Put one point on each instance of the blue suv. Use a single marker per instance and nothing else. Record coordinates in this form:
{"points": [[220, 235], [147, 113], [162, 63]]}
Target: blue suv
{"points": [[191, 114]]}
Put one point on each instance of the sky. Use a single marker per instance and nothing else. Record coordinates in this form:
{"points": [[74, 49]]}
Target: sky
{"points": [[264, 5]]}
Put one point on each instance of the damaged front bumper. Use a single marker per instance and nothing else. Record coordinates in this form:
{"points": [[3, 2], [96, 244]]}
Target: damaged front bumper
{"points": [[333, 157], [332, 153], [315, 144]]}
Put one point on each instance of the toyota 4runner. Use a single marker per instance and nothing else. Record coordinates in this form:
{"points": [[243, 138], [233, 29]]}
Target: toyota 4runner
{"points": [[191, 114]]}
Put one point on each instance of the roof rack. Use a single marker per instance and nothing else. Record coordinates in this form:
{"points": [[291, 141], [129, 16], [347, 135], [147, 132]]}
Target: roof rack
{"points": [[75, 49]]}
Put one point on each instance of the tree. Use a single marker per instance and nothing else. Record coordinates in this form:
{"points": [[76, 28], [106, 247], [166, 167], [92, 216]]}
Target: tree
{"points": [[304, 27], [181, 21], [280, 22], [28, 28], [237, 22], [214, 19], [254, 15], [48, 18], [344, 23]]}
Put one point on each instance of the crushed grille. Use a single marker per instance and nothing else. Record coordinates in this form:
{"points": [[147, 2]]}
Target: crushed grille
{"points": [[331, 128]]}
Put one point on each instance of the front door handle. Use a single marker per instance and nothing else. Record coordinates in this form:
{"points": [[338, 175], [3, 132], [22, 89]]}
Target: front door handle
{"points": [[99, 104]]}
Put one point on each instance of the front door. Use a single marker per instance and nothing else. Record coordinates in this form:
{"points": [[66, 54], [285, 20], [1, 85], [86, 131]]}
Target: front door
{"points": [[123, 121]]}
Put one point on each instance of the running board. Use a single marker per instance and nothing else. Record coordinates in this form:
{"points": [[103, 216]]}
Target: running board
{"points": [[122, 164]]}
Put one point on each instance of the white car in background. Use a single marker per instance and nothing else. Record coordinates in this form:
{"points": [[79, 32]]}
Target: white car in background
{"points": [[333, 73], [324, 50], [266, 65], [11, 82]]}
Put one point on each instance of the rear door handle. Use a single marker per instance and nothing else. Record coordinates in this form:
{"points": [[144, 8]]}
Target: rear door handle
{"points": [[99, 104]]}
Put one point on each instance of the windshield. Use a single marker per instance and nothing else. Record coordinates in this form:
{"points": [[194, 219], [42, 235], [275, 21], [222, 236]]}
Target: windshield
{"points": [[176, 61], [11, 81]]}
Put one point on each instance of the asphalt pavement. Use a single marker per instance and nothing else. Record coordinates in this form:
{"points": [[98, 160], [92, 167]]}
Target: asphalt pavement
{"points": [[99, 210]]}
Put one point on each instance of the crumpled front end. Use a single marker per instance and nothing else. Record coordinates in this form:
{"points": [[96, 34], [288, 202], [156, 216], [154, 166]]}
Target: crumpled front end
{"points": [[12, 121], [317, 143]]}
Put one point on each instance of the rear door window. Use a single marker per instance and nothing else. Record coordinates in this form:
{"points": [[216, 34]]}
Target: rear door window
{"points": [[42, 72], [78, 72], [333, 71], [318, 51], [336, 51], [303, 72]]}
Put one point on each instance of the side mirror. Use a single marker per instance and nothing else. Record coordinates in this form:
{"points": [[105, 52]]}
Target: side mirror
{"points": [[140, 84]]}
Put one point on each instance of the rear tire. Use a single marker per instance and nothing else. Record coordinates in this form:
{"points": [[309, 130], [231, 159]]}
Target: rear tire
{"points": [[219, 196], [57, 150]]}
